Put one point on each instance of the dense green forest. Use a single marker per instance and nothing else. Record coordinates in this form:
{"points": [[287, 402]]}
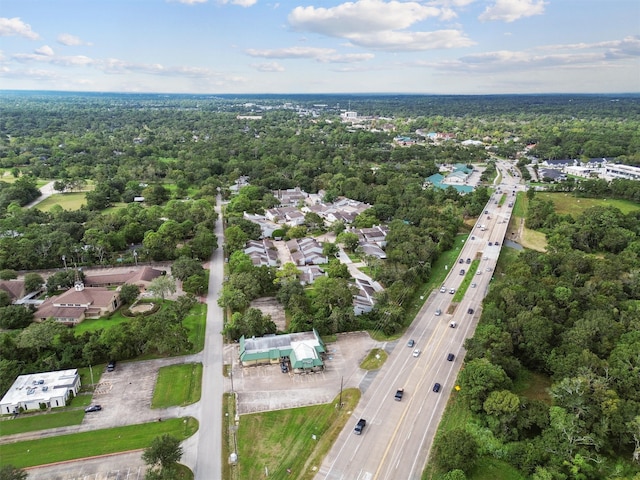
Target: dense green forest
{"points": [[569, 315]]}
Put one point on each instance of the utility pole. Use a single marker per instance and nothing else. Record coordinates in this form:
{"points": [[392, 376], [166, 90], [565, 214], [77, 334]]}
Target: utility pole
{"points": [[91, 371], [341, 378]]}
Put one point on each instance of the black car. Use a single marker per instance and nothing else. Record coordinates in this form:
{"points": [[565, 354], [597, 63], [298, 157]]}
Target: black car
{"points": [[470, 311], [460, 261], [93, 408], [468, 260], [450, 357], [490, 244], [111, 366], [436, 387], [284, 367]]}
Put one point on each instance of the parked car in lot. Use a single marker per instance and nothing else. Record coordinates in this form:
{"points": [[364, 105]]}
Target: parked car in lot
{"points": [[93, 408], [416, 352], [111, 366], [411, 343], [450, 357], [436, 387]]}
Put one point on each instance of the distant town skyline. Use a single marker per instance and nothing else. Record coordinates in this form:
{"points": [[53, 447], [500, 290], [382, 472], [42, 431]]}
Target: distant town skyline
{"points": [[328, 46]]}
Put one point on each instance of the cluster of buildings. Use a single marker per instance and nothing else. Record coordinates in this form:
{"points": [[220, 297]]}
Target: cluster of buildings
{"points": [[604, 168]]}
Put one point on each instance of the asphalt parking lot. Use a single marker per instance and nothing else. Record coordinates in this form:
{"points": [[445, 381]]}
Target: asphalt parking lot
{"points": [[264, 387], [125, 396]]}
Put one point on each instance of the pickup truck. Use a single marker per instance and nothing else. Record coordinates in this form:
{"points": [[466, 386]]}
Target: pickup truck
{"points": [[360, 426], [399, 394]]}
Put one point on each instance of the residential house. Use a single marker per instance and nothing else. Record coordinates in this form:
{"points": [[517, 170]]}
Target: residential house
{"points": [[262, 253], [306, 251]]}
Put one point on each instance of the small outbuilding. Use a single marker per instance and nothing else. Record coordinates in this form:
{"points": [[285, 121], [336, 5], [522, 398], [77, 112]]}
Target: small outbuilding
{"points": [[32, 391]]}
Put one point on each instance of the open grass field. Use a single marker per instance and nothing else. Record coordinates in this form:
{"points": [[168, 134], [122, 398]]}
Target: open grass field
{"points": [[41, 421], [566, 203], [93, 443], [68, 201], [287, 439], [178, 385], [196, 323]]}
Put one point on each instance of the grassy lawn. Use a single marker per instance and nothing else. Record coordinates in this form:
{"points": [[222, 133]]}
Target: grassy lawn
{"points": [[178, 385], [228, 437], [374, 360], [41, 421], [533, 385], [68, 201], [566, 203], [195, 323], [93, 443], [287, 439], [94, 324]]}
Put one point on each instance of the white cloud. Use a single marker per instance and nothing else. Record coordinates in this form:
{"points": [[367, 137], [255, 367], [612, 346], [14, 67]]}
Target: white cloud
{"points": [[190, 2], [45, 50], [70, 40], [292, 52], [512, 10], [596, 56], [15, 27], [268, 67], [380, 25], [323, 55], [413, 41], [242, 3], [362, 16]]}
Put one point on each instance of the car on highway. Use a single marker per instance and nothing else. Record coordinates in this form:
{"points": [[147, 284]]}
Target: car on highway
{"points": [[438, 312], [93, 408], [452, 291], [488, 269], [416, 352], [360, 426], [450, 357], [461, 261], [497, 244], [452, 325], [490, 244], [436, 387], [473, 285], [411, 343], [399, 394], [470, 311], [443, 289], [468, 260], [462, 271]]}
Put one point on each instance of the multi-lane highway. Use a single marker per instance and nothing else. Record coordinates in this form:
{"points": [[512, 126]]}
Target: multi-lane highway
{"points": [[399, 434]]}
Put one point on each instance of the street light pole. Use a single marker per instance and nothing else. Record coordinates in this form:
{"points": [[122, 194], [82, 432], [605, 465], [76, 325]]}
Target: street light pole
{"points": [[91, 371]]}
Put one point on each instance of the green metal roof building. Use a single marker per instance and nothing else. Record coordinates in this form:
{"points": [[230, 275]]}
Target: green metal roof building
{"points": [[303, 349]]}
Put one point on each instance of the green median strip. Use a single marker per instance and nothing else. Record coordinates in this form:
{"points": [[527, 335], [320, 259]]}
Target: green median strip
{"points": [[93, 443]]}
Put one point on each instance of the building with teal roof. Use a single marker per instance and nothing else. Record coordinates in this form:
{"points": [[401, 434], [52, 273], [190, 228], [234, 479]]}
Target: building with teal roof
{"points": [[304, 350]]}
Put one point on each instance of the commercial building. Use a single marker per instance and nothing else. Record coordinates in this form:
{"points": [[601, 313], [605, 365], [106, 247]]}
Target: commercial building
{"points": [[304, 350], [34, 390]]}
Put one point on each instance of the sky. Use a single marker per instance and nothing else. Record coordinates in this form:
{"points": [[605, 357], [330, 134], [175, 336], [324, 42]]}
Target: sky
{"points": [[321, 46]]}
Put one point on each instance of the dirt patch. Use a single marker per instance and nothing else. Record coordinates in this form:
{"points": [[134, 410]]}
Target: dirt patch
{"points": [[270, 306]]}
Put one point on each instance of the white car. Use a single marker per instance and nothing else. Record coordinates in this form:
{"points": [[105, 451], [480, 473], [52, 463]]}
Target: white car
{"points": [[453, 324], [473, 285], [416, 352], [438, 312], [443, 289]]}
